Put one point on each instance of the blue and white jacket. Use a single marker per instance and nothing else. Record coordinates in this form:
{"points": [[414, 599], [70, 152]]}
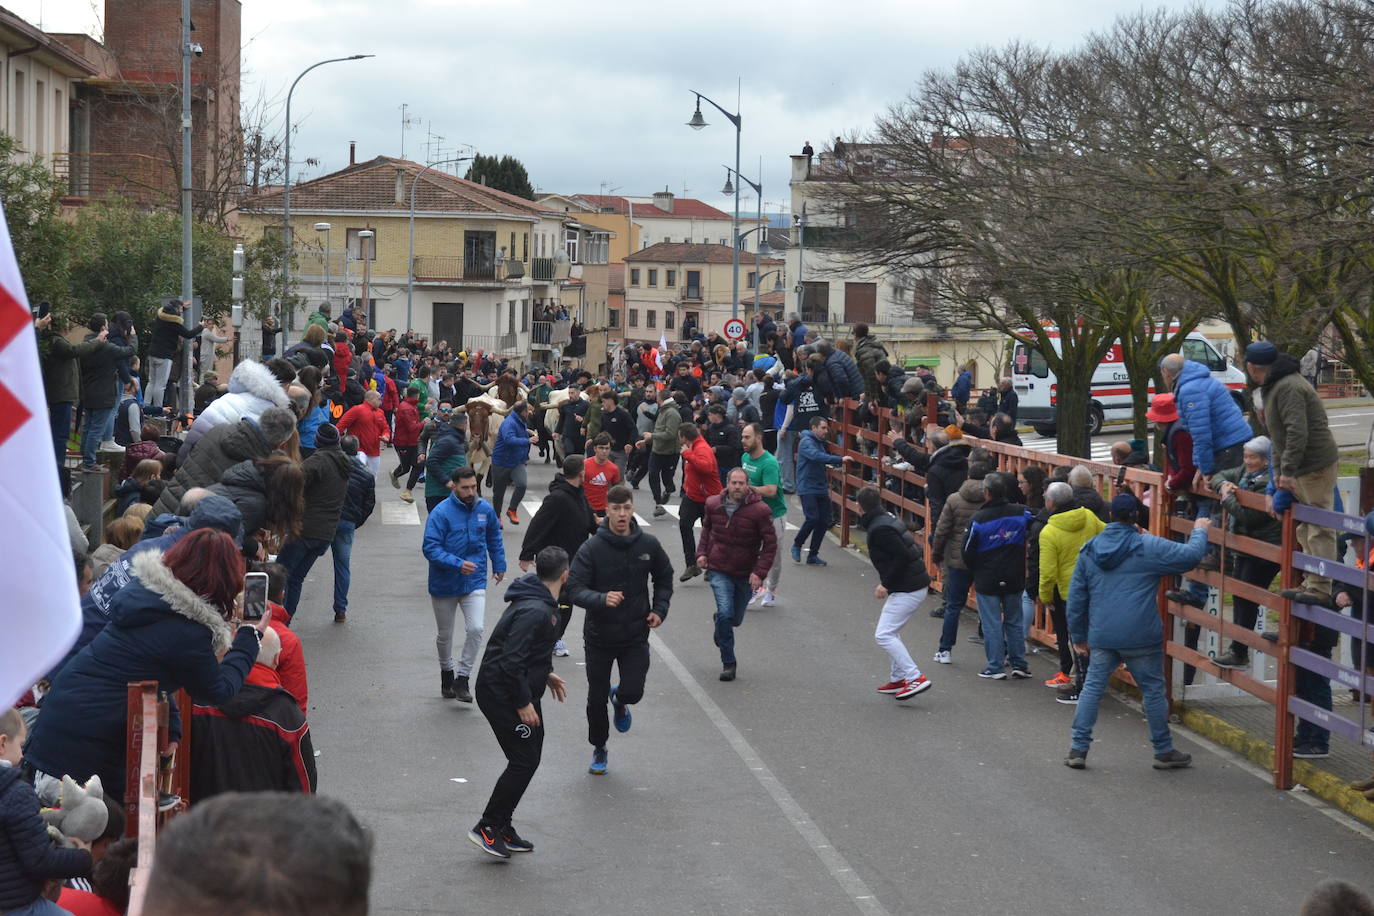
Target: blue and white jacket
{"points": [[995, 549], [457, 532]]}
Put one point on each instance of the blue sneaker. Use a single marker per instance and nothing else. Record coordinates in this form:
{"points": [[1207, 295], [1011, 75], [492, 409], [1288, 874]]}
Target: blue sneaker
{"points": [[796, 553], [816, 561], [598, 767], [622, 718], [488, 839]]}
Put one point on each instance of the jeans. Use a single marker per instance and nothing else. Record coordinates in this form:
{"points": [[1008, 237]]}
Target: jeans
{"points": [[816, 509], [504, 477], [897, 610], [60, 416], [1027, 614], [1316, 690], [957, 584], [40, 907], [633, 664], [342, 549], [689, 514], [159, 371], [474, 605], [1002, 636], [93, 433], [787, 459], [1316, 489], [298, 555], [523, 746], [732, 594], [1147, 667], [661, 468]]}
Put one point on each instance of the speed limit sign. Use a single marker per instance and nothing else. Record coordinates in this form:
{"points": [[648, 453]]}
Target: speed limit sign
{"points": [[735, 329]]}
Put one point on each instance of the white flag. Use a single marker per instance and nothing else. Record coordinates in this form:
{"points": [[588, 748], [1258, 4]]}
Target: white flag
{"points": [[40, 615], [662, 350]]}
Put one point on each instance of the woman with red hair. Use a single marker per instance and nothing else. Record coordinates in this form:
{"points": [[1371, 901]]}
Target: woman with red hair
{"points": [[176, 622]]}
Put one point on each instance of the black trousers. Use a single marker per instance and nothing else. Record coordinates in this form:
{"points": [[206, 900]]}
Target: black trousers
{"points": [[407, 454], [1060, 618], [1253, 571], [633, 664], [689, 514], [661, 469], [523, 746], [565, 609]]}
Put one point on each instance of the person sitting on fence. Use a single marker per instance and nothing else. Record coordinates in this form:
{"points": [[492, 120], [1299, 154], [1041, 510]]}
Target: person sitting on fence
{"points": [[242, 853]]}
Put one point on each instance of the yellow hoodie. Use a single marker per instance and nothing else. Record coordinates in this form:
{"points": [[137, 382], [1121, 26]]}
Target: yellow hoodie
{"points": [[1060, 541]]}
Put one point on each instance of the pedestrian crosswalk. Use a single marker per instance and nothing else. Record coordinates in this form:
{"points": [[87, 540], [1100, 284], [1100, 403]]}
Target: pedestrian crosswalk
{"points": [[531, 506], [400, 513], [673, 510], [1101, 451]]}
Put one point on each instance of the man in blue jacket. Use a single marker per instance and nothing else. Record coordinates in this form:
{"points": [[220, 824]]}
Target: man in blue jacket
{"points": [[1209, 414], [963, 387], [508, 459], [460, 534], [813, 490], [1113, 616]]}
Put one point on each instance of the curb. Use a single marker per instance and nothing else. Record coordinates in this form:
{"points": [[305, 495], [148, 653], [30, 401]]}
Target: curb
{"points": [[1326, 786]]}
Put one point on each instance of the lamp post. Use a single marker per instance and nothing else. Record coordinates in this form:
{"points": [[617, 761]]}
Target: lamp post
{"points": [[187, 293], [697, 123], [286, 183], [410, 260], [367, 250], [799, 223], [325, 227], [760, 249]]}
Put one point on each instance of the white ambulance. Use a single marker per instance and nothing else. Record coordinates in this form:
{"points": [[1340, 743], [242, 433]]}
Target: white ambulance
{"points": [[1037, 390]]}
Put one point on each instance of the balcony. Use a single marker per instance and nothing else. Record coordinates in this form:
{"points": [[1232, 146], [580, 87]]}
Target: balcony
{"points": [[457, 269], [541, 269], [549, 334], [145, 180]]}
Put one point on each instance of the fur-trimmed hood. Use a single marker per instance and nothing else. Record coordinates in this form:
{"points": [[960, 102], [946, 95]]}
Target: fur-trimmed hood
{"points": [[155, 593], [252, 377]]}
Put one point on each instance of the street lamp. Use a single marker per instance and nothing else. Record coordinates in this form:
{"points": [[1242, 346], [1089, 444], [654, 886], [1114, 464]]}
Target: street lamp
{"points": [[697, 123], [760, 249], [367, 250], [286, 184], [799, 224], [325, 227], [410, 261]]}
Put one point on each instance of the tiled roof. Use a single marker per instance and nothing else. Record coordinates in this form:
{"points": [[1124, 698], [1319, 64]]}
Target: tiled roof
{"points": [[683, 207], [371, 186], [684, 253], [767, 299]]}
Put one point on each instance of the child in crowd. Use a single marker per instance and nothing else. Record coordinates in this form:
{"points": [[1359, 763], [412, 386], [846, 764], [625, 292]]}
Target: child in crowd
{"points": [[130, 489], [120, 535]]}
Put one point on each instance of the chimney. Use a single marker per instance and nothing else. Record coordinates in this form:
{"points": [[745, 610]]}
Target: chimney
{"points": [[352, 152], [801, 168], [400, 186], [664, 200]]}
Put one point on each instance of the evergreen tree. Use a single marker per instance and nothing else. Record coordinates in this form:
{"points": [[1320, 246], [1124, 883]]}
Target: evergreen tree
{"points": [[504, 174]]}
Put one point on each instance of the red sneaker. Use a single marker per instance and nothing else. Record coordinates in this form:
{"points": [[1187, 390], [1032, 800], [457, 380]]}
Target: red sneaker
{"points": [[911, 688], [1059, 680], [892, 687], [514, 519]]}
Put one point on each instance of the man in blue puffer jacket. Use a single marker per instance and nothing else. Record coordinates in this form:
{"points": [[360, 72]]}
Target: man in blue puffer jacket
{"points": [[509, 456], [1209, 413], [1114, 617], [461, 532]]}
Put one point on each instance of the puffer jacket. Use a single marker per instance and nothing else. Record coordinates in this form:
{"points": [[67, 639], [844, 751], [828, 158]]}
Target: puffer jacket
{"points": [[243, 485], [624, 563], [1113, 598], [1297, 422], [257, 741], [447, 452], [160, 631], [252, 389], [456, 532], [995, 550], [368, 424], [1063, 536], [664, 440], [894, 552], [700, 475], [1209, 413], [951, 530], [945, 474], [168, 332], [512, 447], [361, 497], [845, 379], [868, 352], [563, 520], [326, 485], [740, 544], [220, 449], [28, 858]]}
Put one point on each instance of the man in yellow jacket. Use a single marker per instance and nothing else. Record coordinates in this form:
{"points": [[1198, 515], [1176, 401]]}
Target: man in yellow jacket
{"points": [[1068, 527]]}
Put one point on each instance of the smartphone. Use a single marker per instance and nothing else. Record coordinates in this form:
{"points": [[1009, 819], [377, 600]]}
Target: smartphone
{"points": [[254, 596], [42, 311]]}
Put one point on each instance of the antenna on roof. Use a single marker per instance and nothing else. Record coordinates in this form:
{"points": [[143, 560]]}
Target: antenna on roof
{"points": [[406, 124]]}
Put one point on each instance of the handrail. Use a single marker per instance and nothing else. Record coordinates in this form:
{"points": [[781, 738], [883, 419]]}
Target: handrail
{"points": [[147, 743]]}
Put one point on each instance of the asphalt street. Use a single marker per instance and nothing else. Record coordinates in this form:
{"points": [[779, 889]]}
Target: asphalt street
{"points": [[796, 789]]}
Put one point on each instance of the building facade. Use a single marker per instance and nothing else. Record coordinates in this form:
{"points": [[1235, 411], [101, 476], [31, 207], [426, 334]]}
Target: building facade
{"points": [[671, 282]]}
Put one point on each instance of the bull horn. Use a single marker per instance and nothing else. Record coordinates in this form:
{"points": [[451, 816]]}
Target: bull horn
{"points": [[498, 411], [461, 408]]}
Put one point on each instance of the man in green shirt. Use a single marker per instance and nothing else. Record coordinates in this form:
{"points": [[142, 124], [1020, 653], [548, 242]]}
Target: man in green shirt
{"points": [[765, 478]]}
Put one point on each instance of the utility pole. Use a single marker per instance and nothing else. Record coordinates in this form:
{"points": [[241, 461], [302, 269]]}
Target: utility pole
{"points": [[191, 314]]}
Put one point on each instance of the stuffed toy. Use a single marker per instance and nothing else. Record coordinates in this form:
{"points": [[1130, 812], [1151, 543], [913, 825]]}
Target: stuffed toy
{"points": [[81, 812]]}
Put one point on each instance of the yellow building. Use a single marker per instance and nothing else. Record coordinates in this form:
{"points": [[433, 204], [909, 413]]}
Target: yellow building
{"points": [[672, 282]]}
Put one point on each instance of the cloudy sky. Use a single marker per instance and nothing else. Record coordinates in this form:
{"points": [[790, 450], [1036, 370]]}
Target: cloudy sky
{"points": [[596, 94]]}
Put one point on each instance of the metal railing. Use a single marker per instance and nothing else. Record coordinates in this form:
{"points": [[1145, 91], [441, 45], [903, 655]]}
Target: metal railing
{"points": [[145, 180], [455, 268], [542, 268], [547, 334]]}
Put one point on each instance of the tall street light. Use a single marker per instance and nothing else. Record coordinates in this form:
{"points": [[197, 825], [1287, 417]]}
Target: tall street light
{"points": [[761, 247], [697, 123], [325, 227], [410, 261], [286, 185]]}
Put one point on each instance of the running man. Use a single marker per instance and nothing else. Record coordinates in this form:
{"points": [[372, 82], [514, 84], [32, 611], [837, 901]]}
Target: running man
{"points": [[765, 477], [610, 578], [737, 548], [902, 582]]}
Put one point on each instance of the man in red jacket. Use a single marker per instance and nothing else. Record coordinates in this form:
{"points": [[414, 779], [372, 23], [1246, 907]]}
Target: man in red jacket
{"points": [[406, 438], [368, 423], [391, 399], [737, 547], [700, 480]]}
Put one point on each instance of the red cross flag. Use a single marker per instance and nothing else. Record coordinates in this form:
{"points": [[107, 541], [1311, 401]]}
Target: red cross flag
{"points": [[40, 615]]}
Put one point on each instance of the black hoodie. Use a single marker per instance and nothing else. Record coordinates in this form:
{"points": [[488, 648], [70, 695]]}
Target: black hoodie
{"points": [[620, 563], [519, 655], [564, 520]]}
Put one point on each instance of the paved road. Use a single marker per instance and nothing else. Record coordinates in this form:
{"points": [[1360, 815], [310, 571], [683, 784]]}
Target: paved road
{"points": [[797, 789]]}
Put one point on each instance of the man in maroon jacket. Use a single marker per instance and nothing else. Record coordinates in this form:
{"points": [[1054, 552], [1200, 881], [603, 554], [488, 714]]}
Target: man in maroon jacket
{"points": [[737, 547]]}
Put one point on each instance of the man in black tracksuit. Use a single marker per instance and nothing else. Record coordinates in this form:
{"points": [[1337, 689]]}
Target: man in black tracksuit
{"points": [[610, 579], [516, 667], [564, 520]]}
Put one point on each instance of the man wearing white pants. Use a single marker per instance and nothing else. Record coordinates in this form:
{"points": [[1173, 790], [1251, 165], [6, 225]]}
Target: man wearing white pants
{"points": [[903, 581], [765, 479], [461, 532]]}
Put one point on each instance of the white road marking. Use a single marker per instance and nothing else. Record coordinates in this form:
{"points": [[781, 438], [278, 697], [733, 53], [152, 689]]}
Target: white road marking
{"points": [[833, 860], [532, 506], [400, 513]]}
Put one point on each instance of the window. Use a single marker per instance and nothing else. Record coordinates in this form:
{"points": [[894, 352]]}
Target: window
{"points": [[613, 318], [753, 280], [650, 318], [653, 278], [693, 285], [1199, 351], [1029, 361], [525, 250], [570, 245], [687, 241], [670, 278], [634, 318], [20, 97], [669, 320], [524, 314], [512, 245], [358, 251], [634, 278], [510, 317], [40, 117], [725, 241]]}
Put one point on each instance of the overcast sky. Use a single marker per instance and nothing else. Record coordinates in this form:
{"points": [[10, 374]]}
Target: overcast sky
{"points": [[597, 92]]}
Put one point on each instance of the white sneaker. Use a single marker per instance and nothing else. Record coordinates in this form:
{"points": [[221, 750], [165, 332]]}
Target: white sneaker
{"points": [[109, 445], [560, 650], [942, 657], [756, 597], [769, 599]]}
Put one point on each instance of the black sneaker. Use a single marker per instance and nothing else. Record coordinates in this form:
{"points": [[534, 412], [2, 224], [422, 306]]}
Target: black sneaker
{"points": [[446, 684], [1232, 659], [1066, 695], [514, 841], [1174, 760], [1181, 597], [727, 672], [488, 839], [1020, 673], [460, 688], [1077, 760], [1303, 596], [1311, 752]]}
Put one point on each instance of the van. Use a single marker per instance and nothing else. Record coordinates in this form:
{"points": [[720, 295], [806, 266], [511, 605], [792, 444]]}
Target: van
{"points": [[1037, 389]]}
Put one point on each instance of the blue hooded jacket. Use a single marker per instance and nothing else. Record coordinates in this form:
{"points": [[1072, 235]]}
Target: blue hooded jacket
{"points": [[1209, 413], [512, 446], [812, 459], [1113, 596], [963, 386], [457, 532]]}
